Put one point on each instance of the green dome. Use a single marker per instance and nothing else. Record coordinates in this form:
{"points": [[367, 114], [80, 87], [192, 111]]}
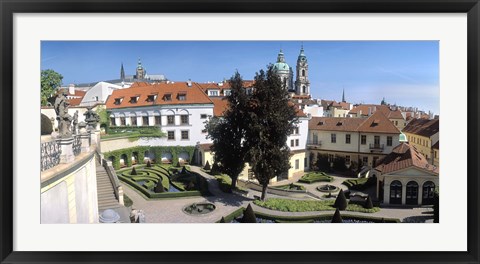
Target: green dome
{"points": [[402, 138], [281, 66]]}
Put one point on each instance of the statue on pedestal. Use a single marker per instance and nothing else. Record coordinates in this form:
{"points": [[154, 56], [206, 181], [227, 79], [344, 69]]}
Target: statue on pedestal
{"points": [[91, 118], [75, 122], [64, 119]]}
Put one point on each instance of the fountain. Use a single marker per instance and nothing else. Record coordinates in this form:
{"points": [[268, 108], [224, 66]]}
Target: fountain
{"points": [[327, 188], [199, 208]]}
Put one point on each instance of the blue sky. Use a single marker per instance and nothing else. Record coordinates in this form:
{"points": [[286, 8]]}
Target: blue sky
{"points": [[404, 72]]}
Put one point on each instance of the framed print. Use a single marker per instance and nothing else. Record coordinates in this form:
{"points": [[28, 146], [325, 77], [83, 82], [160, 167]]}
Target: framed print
{"points": [[153, 118]]}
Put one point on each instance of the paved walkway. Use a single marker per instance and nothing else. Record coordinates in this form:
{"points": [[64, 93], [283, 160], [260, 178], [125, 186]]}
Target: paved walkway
{"points": [[170, 210]]}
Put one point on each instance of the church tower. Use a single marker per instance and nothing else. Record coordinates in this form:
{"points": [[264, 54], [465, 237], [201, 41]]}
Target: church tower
{"points": [[122, 73], [283, 71], [140, 71], [302, 84]]}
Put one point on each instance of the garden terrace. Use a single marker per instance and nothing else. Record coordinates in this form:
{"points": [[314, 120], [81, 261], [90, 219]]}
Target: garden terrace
{"points": [[132, 133]]}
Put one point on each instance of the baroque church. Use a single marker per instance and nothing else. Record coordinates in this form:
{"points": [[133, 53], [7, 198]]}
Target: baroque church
{"points": [[285, 73]]}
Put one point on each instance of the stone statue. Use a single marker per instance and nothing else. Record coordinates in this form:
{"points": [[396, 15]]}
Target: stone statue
{"points": [[64, 119], [75, 122], [91, 118]]}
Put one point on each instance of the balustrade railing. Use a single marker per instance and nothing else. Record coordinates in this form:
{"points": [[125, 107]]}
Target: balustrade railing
{"points": [[77, 145], [50, 155]]}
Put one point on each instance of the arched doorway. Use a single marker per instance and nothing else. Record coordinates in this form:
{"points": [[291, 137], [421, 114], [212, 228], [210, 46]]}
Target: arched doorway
{"points": [[123, 160], [412, 193], [428, 192], [396, 192]]}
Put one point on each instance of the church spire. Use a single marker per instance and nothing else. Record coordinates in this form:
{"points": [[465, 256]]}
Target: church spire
{"points": [[122, 73], [343, 96]]}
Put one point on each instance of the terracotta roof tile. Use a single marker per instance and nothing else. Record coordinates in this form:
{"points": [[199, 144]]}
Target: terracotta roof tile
{"points": [[376, 123], [220, 105], [423, 127], [193, 94], [404, 156]]}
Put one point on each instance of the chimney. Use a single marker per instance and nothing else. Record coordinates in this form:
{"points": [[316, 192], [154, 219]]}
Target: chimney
{"points": [[71, 89], [369, 111], [360, 112], [189, 83]]}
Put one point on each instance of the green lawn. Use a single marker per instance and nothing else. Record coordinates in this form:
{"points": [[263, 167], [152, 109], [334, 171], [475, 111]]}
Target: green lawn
{"points": [[288, 205]]}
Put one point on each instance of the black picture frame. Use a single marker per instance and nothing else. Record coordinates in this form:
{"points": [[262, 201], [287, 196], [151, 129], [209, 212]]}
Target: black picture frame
{"points": [[10, 7]]}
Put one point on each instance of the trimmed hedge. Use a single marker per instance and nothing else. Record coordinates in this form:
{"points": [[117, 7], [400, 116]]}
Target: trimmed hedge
{"points": [[289, 187], [288, 205], [140, 151], [360, 184], [315, 177]]}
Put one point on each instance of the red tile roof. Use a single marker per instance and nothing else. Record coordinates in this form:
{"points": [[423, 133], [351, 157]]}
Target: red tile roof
{"points": [[376, 123], [423, 127], [194, 95], [364, 108], [404, 156], [220, 105]]}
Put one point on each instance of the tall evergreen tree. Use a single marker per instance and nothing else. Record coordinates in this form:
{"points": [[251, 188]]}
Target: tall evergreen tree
{"points": [[228, 132], [271, 118]]}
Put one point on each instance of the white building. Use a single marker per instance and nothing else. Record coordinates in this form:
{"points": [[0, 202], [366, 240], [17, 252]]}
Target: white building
{"points": [[99, 93]]}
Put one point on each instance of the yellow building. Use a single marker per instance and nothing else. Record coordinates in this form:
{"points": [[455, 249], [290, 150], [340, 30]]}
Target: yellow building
{"points": [[423, 134], [436, 154]]}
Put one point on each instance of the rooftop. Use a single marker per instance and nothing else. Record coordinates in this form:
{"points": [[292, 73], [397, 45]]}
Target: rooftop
{"points": [[404, 156], [423, 127]]}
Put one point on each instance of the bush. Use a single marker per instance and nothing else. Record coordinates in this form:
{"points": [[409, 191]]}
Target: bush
{"points": [[159, 188], [127, 202], [249, 215], [46, 125], [315, 177], [207, 166], [337, 218], [215, 169], [323, 163], [222, 220], [339, 164], [149, 164], [368, 203], [360, 184], [134, 172], [341, 201]]}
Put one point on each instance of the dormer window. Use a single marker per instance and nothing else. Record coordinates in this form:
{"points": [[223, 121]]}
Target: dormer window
{"points": [[227, 92], [167, 97], [118, 101], [134, 99], [182, 97], [212, 92], [151, 98]]}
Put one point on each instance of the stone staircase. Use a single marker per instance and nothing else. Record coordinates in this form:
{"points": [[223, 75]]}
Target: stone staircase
{"points": [[105, 192]]}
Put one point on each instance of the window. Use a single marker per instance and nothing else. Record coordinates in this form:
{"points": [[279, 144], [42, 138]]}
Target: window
{"points": [[396, 123], [389, 141], [171, 135], [145, 120], [167, 97], [435, 152], [347, 160], [133, 99], [412, 193], [347, 139], [376, 140], [118, 101], [122, 121], [204, 131], [171, 120], [297, 142], [184, 134], [133, 120], [292, 143], [227, 92], [213, 93], [158, 120], [428, 192], [151, 98], [203, 116], [396, 192], [182, 97], [304, 89], [363, 139], [334, 138], [184, 119], [295, 131], [112, 121], [249, 91], [297, 164], [303, 72], [330, 157], [365, 160]]}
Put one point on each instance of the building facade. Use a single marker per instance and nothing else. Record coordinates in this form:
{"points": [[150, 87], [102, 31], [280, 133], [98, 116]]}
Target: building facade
{"points": [[423, 134]]}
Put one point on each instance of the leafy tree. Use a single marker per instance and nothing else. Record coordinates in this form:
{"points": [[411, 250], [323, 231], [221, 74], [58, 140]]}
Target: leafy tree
{"points": [[249, 215], [341, 201], [322, 162], [46, 125], [270, 120], [337, 218], [339, 164], [228, 132], [50, 80]]}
